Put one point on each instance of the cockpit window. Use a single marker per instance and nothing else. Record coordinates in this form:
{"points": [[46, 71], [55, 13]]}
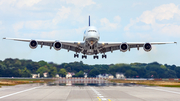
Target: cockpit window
{"points": [[92, 31]]}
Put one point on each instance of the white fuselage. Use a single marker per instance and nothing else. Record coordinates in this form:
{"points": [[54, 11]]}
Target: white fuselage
{"points": [[91, 38]]}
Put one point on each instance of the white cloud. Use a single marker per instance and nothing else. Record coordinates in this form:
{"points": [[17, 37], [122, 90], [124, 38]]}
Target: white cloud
{"points": [[38, 30], [137, 4], [163, 12], [62, 34], [54, 34], [107, 25], [117, 19], [19, 3], [62, 14], [34, 25], [28, 3], [80, 30], [39, 24], [2, 2], [138, 37], [80, 3], [171, 30], [157, 19], [132, 22], [18, 26]]}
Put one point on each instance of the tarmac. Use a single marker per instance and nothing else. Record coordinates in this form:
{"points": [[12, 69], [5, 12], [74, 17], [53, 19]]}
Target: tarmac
{"points": [[87, 90]]}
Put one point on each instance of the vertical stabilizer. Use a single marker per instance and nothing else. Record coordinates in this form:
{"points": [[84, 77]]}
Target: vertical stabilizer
{"points": [[89, 20]]}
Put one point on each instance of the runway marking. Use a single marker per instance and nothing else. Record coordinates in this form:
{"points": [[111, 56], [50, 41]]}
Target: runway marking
{"points": [[103, 99], [100, 97], [163, 90], [19, 92]]}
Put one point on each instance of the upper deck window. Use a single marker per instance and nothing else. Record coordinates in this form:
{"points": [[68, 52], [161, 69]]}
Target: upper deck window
{"points": [[92, 31]]}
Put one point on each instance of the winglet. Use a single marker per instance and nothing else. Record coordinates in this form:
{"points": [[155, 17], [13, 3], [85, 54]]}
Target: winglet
{"points": [[175, 42], [4, 38], [89, 20]]}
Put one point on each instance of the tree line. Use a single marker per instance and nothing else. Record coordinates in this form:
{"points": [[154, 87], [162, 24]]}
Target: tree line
{"points": [[24, 68]]}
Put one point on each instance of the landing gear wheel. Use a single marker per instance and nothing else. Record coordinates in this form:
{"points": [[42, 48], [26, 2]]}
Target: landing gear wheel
{"points": [[104, 56], [95, 57], [84, 56], [76, 55]]}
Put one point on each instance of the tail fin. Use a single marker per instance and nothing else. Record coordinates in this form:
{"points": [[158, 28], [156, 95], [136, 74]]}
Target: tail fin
{"points": [[89, 20]]}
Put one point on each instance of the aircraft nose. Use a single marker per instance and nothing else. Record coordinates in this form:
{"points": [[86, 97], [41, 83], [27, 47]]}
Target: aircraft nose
{"points": [[92, 35]]}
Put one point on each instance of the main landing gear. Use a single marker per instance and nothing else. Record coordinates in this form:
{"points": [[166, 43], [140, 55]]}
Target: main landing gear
{"points": [[76, 55], [104, 56], [84, 56], [95, 57]]}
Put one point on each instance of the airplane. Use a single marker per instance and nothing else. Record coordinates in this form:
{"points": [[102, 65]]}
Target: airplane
{"points": [[90, 44]]}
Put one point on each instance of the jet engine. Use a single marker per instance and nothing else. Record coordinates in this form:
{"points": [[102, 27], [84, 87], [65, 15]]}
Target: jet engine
{"points": [[33, 44], [124, 47], [57, 45], [147, 47]]}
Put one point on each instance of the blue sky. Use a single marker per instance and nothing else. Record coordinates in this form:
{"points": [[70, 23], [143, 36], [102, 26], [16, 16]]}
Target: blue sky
{"points": [[117, 21]]}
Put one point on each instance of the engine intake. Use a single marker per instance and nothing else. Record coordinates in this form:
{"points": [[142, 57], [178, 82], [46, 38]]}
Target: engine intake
{"points": [[124, 47], [147, 47], [57, 45], [33, 44]]}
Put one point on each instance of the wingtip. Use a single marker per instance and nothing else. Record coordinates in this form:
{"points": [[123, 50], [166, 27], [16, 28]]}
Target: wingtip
{"points": [[175, 42], [4, 38]]}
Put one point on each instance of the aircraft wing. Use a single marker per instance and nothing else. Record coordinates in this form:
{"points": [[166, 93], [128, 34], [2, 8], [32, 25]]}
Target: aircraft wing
{"points": [[111, 46], [68, 45]]}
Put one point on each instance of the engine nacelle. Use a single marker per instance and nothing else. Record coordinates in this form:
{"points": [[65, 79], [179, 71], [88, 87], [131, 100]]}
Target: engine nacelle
{"points": [[124, 47], [57, 45], [147, 47], [33, 44]]}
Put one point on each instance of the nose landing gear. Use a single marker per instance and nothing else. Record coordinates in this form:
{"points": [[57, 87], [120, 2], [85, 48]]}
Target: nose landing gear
{"points": [[96, 57]]}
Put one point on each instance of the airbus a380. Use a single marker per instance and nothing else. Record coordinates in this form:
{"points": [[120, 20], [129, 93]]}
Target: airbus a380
{"points": [[90, 44]]}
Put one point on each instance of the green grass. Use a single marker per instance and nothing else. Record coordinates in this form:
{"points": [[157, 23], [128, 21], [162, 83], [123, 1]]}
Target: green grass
{"points": [[170, 85], [6, 85], [12, 82], [22, 79]]}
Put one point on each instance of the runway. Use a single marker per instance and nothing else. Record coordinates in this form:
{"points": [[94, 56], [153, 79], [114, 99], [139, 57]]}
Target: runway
{"points": [[57, 92]]}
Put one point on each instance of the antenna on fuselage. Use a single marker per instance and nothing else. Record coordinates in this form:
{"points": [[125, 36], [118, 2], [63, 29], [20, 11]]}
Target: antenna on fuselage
{"points": [[89, 20]]}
